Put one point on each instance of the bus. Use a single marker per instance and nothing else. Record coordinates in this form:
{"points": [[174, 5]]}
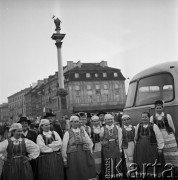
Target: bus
{"points": [[159, 82]]}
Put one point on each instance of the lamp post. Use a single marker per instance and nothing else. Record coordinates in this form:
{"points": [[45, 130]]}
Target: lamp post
{"points": [[61, 92]]}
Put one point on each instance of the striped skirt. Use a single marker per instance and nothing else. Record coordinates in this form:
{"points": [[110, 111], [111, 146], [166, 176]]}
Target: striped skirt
{"points": [[97, 157], [170, 148]]}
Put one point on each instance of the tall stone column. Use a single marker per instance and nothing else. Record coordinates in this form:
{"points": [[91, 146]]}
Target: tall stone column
{"points": [[61, 93]]}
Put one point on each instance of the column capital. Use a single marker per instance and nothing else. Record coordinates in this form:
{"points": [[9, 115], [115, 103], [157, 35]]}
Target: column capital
{"points": [[58, 44]]}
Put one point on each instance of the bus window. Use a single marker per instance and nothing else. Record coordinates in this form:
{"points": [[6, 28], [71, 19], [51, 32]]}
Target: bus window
{"points": [[153, 88], [131, 94]]}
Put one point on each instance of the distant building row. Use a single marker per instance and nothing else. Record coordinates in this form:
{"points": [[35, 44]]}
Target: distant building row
{"points": [[91, 87]]}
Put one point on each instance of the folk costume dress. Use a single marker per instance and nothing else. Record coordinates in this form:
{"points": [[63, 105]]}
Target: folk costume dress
{"points": [[95, 136], [76, 150], [166, 126], [148, 140], [17, 166], [111, 139], [50, 162], [128, 144]]}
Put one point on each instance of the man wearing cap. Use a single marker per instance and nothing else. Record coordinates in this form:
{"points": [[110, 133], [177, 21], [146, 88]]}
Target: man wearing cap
{"points": [[55, 125], [101, 118], [165, 123], [26, 132], [83, 120], [111, 140]]}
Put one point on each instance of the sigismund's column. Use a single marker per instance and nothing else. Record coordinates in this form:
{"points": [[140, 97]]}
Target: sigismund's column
{"points": [[61, 92]]}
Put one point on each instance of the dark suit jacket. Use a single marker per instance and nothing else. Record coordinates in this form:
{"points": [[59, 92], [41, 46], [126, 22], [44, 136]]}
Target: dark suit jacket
{"points": [[57, 127], [31, 135]]}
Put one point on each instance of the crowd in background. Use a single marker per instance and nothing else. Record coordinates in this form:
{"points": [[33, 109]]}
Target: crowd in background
{"points": [[85, 145]]}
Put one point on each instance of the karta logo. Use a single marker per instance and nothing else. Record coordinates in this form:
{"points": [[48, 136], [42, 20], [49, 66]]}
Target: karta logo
{"points": [[114, 169]]}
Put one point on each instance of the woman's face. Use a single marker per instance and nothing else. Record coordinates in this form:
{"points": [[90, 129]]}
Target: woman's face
{"points": [[17, 133], [145, 119], [75, 124], [109, 121], [95, 122], [159, 109], [126, 121], [45, 127]]}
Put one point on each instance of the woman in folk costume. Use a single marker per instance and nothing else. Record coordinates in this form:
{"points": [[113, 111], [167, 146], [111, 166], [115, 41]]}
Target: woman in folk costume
{"points": [[128, 135], [95, 136], [16, 164], [149, 143], [111, 139], [166, 125], [76, 152], [50, 162]]}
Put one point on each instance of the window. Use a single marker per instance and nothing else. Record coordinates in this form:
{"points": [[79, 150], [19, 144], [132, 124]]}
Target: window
{"points": [[88, 75], [77, 90], [88, 87], [106, 91], [153, 88], [116, 86], [89, 92], [115, 74], [89, 99], [98, 91], [96, 75], [104, 75], [97, 86], [77, 99], [131, 95], [105, 86], [77, 87], [76, 75]]}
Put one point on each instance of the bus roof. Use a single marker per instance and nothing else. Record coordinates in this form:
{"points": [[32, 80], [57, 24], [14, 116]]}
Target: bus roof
{"points": [[163, 67]]}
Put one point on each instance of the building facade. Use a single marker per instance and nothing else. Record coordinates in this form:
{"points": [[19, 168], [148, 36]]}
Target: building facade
{"points": [[4, 113], [94, 87], [17, 105]]}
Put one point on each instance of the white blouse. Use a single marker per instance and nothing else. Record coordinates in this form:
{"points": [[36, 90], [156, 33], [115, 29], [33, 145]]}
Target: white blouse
{"points": [[169, 118], [31, 147], [119, 134], [66, 140], [54, 146]]}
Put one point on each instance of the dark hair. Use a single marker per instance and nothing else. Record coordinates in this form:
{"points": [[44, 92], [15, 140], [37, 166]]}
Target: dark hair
{"points": [[158, 102], [148, 114]]}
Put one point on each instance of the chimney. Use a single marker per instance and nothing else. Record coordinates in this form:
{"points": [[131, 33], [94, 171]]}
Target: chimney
{"points": [[70, 65], [103, 63]]}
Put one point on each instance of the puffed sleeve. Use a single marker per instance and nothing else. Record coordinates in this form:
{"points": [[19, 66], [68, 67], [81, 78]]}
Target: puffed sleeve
{"points": [[159, 137], [102, 132], [42, 146], [136, 131], [56, 145], [32, 149], [151, 119], [120, 137], [64, 145], [3, 147], [171, 124]]}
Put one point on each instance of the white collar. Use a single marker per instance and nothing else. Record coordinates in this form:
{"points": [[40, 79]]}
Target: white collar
{"points": [[47, 133], [14, 139], [129, 126], [162, 114], [75, 130], [110, 127], [96, 127]]}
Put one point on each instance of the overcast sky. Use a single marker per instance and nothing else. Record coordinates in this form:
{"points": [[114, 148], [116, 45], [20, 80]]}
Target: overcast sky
{"points": [[130, 34]]}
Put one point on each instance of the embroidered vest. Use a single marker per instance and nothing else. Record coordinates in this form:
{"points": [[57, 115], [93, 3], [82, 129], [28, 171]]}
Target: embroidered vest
{"points": [[163, 123], [127, 136], [14, 150], [142, 132], [110, 134], [48, 140], [75, 140]]}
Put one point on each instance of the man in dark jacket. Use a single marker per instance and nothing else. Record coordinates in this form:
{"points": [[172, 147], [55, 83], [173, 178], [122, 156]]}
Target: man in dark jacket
{"points": [[55, 125]]}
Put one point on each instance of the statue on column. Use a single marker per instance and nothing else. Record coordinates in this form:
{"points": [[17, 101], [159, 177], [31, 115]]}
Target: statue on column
{"points": [[57, 23]]}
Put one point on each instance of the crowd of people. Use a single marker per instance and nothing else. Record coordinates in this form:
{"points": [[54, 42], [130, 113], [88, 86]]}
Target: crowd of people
{"points": [[88, 149]]}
